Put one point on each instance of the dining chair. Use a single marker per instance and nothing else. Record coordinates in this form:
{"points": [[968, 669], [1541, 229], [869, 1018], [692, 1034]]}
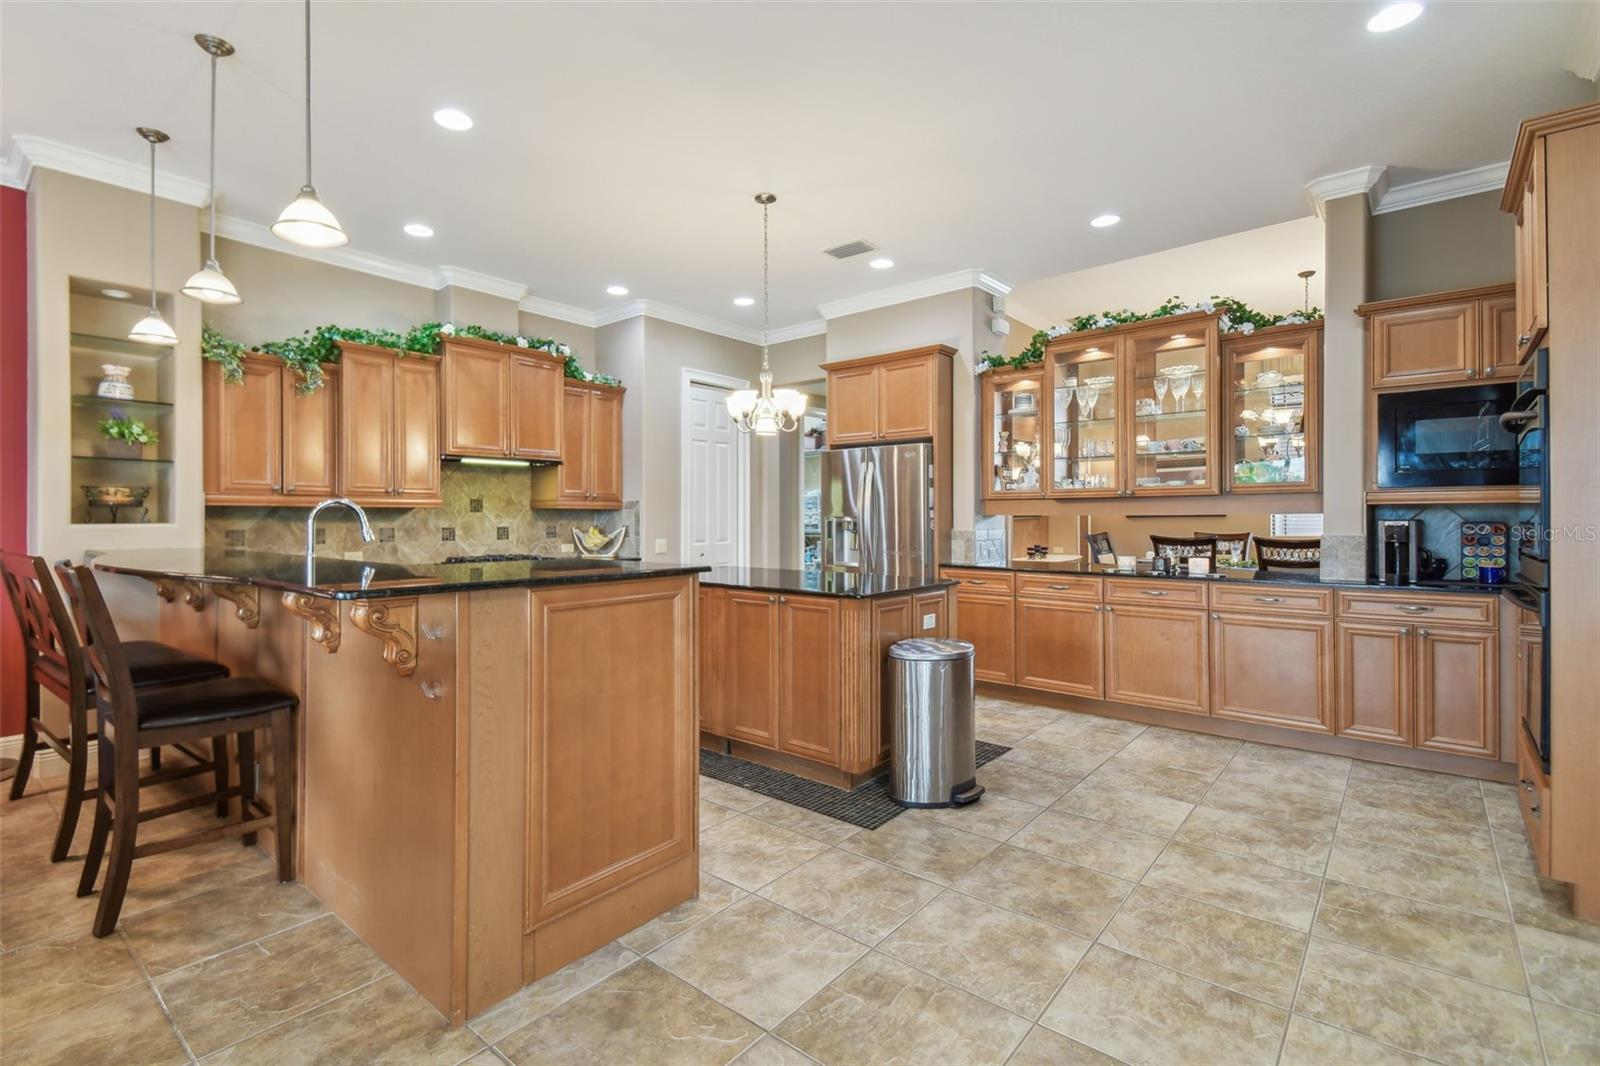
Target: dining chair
{"points": [[54, 662], [1178, 548], [1288, 553]]}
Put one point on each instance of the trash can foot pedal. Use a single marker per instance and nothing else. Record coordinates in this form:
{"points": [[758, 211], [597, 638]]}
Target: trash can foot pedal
{"points": [[961, 799]]}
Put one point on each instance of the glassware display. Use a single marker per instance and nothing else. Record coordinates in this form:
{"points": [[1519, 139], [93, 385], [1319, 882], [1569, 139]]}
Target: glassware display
{"points": [[1016, 442], [1171, 424], [1269, 378], [1083, 416]]}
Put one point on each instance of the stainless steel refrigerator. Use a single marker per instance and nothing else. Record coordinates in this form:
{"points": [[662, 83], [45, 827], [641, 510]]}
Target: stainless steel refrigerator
{"points": [[877, 510]]}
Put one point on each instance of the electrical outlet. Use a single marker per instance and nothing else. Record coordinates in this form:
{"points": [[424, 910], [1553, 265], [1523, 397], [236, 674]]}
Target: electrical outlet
{"points": [[352, 555], [930, 621], [566, 549], [661, 545]]}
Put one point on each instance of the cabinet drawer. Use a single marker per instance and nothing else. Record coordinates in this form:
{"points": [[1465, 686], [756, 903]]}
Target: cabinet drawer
{"points": [[1059, 587], [1174, 592], [1533, 792], [1267, 599], [1445, 610], [991, 581]]}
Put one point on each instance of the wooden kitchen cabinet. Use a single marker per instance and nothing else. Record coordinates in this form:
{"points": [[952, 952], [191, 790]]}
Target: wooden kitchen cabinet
{"points": [[1458, 691], [1497, 325], [264, 439], [853, 405], [895, 397], [500, 401], [1157, 657], [388, 427], [988, 623], [1274, 393], [589, 475], [709, 656], [808, 693], [1060, 646], [1442, 338], [1376, 682], [1273, 669], [311, 436], [751, 668], [1533, 264], [537, 407], [1014, 422]]}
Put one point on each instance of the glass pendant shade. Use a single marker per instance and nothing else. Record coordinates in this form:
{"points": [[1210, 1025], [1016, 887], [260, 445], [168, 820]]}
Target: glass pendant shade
{"points": [[308, 223], [210, 285], [153, 329], [742, 403]]}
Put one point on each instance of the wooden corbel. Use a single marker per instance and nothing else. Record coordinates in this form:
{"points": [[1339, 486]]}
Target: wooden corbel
{"points": [[393, 621], [194, 595], [246, 600], [323, 614]]}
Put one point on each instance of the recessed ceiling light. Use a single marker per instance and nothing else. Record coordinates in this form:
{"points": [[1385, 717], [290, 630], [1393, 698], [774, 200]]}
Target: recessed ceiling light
{"points": [[419, 229], [453, 119], [1102, 221], [1393, 17], [617, 290], [116, 294], [743, 301], [881, 263]]}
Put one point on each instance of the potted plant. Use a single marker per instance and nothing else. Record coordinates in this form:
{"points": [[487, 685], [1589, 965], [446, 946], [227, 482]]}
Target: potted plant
{"points": [[125, 436]]}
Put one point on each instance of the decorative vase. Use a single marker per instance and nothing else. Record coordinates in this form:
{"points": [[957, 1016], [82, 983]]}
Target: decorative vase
{"points": [[114, 386], [604, 549], [124, 449]]}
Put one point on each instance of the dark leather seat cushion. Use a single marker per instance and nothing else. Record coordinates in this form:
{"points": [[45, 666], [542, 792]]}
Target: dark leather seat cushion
{"points": [[209, 701], [152, 663]]}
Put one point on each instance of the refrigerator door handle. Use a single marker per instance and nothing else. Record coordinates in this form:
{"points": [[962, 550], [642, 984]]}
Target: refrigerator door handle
{"points": [[868, 473]]}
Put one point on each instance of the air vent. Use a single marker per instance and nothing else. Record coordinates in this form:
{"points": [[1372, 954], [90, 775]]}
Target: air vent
{"points": [[845, 251]]}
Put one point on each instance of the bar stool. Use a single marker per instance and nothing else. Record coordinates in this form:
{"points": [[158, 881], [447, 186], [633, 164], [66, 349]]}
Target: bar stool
{"points": [[1236, 545], [1288, 553], [1175, 548], [53, 650], [131, 719]]}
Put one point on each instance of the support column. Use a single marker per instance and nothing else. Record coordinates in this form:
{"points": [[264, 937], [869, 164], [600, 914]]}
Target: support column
{"points": [[1344, 391]]}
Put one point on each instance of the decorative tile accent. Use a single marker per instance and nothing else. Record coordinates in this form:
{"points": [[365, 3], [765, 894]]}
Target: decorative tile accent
{"points": [[1344, 557], [235, 538], [385, 534], [475, 505], [447, 533], [502, 532]]}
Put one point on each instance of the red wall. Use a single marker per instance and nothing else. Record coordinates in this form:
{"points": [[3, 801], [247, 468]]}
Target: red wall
{"points": [[13, 433]]}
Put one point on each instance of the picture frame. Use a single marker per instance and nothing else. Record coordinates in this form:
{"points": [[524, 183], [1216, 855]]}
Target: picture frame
{"points": [[1100, 549]]}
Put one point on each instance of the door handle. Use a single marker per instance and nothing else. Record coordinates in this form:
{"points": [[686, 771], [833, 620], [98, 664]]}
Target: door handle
{"points": [[1411, 608], [1153, 592], [1060, 588], [1269, 599]]}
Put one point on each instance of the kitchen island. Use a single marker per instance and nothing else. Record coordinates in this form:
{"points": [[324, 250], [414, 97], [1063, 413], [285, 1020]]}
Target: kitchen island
{"points": [[495, 763]]}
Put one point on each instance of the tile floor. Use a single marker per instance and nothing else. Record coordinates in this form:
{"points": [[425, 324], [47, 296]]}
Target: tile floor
{"points": [[1121, 894]]}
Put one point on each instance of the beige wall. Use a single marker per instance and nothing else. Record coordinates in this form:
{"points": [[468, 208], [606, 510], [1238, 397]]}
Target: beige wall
{"points": [[1453, 244], [452, 303], [619, 351], [580, 339], [799, 361]]}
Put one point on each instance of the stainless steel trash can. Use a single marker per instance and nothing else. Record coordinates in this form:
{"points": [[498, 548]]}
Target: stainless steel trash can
{"points": [[935, 753]]}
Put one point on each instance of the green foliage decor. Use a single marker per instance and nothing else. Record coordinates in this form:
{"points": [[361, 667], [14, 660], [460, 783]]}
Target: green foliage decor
{"points": [[124, 428], [1235, 317], [228, 354]]}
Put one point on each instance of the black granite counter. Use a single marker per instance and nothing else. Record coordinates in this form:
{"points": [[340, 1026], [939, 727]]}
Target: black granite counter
{"points": [[352, 579], [817, 582], [1275, 577]]}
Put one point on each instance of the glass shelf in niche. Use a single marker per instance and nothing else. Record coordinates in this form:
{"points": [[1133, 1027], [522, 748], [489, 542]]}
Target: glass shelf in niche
{"points": [[119, 459], [102, 405]]}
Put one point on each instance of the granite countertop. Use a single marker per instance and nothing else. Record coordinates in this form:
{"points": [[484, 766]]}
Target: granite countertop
{"points": [[1274, 577], [818, 582], [353, 579]]}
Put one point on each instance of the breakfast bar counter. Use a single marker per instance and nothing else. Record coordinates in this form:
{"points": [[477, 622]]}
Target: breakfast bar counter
{"points": [[495, 763]]}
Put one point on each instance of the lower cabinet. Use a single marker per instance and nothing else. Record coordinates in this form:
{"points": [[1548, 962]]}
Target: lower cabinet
{"points": [[987, 621], [1458, 690], [1061, 647], [808, 677], [1157, 657], [1376, 685], [749, 704], [1274, 670]]}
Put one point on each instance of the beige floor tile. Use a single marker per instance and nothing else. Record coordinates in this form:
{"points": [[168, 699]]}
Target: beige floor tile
{"points": [[1505, 809], [805, 822], [1248, 955], [1019, 781], [770, 1051], [715, 894], [487, 1057], [1450, 799], [881, 1010], [1514, 853], [1254, 836], [933, 852], [1249, 886], [712, 813], [1056, 756], [1308, 767], [1071, 897], [44, 980], [552, 990], [851, 894], [1429, 836], [1562, 969], [1404, 872], [382, 1022], [1178, 750], [123, 1027], [1045, 1047], [640, 1014], [1440, 1016], [224, 999], [1182, 785], [1547, 904], [759, 959], [1468, 945], [214, 921], [730, 796], [1313, 1043], [1140, 1012], [749, 852], [1308, 809], [1006, 723], [1101, 846], [1130, 808], [1571, 1038], [992, 816], [1012, 961], [1090, 731]]}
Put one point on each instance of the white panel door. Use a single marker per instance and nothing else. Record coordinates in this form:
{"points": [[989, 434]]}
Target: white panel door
{"points": [[711, 455]]}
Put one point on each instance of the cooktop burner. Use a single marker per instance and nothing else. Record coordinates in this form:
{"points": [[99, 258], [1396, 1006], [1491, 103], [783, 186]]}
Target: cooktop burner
{"points": [[509, 557]]}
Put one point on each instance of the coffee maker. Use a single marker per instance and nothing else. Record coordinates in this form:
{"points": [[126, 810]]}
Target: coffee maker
{"points": [[1399, 550]]}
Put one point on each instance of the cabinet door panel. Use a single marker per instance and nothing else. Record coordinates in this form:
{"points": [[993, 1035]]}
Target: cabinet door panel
{"points": [[1376, 667], [1458, 691], [1418, 345], [311, 436], [1061, 647], [366, 425], [536, 407], [892, 620], [1157, 657], [711, 655], [1273, 669], [572, 477], [1497, 337], [989, 625], [416, 404], [244, 425], [749, 704], [475, 383], [905, 399], [808, 703], [853, 405], [605, 447]]}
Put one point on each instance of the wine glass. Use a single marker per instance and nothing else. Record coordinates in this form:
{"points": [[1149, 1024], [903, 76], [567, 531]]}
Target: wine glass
{"points": [[1197, 389], [1094, 398], [1180, 388], [1161, 391], [1082, 393]]}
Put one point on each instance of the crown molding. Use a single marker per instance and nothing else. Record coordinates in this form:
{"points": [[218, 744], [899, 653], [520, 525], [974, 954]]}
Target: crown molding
{"points": [[678, 316], [15, 167], [1372, 181], [914, 290], [477, 281], [254, 233], [798, 331], [41, 152], [578, 316], [1490, 178]]}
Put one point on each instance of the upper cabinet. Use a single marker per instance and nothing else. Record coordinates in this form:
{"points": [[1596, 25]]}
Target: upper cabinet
{"points": [[590, 472], [264, 439], [499, 401], [1172, 374], [1272, 435], [885, 398], [1533, 262], [388, 427], [1441, 339], [1085, 416], [1013, 412]]}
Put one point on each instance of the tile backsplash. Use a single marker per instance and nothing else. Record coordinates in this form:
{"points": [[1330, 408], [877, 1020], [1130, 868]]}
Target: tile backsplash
{"points": [[485, 511], [1441, 528]]}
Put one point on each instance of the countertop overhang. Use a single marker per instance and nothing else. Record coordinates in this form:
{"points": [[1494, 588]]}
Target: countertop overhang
{"points": [[355, 579], [818, 582], [1310, 578]]}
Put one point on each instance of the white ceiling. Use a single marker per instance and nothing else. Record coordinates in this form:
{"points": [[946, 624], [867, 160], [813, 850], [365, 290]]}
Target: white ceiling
{"points": [[623, 142]]}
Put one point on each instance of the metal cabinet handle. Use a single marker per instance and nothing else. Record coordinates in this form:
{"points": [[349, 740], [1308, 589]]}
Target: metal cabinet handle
{"points": [[1472, 373], [1422, 632], [1060, 588], [772, 599], [976, 581], [432, 689], [1152, 592], [1269, 599], [1522, 339], [1097, 610], [1405, 631], [1411, 608], [783, 599], [1527, 785], [1488, 371]]}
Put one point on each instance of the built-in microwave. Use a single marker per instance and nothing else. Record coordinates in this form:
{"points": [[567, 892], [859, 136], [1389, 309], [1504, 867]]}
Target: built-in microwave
{"points": [[1447, 438]]}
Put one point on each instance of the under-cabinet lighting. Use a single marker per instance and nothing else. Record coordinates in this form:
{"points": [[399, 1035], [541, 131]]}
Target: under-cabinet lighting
{"points": [[116, 294], [476, 460]]}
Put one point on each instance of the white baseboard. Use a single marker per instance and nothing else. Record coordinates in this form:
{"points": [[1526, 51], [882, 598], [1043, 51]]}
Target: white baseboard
{"points": [[47, 764]]}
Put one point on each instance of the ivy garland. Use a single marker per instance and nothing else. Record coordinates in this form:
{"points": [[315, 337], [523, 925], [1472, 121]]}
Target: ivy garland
{"points": [[1237, 317], [306, 353]]}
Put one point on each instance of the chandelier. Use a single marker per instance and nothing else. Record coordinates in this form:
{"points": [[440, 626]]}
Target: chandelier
{"points": [[767, 412]]}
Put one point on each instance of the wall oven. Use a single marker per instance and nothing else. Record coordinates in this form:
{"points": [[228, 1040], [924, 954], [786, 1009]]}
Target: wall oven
{"points": [[1529, 419], [1446, 438]]}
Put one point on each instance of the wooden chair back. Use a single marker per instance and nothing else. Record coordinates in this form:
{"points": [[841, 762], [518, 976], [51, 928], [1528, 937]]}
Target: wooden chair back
{"points": [[50, 641], [1236, 545], [1288, 553], [108, 668], [1173, 548]]}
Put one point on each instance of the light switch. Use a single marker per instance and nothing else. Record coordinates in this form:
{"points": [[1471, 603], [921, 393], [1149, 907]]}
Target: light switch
{"points": [[930, 621], [661, 545]]}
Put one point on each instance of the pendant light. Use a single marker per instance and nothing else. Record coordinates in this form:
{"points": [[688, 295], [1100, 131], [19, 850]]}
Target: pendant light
{"points": [[152, 328], [767, 412], [209, 284], [305, 221]]}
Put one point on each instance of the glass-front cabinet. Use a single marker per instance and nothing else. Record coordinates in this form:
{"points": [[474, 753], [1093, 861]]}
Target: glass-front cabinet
{"points": [[1171, 371], [1271, 431], [1085, 417], [1013, 414]]}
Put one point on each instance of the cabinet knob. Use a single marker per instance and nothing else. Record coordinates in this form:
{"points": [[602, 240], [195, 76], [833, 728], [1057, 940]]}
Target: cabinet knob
{"points": [[1422, 632], [1535, 810], [772, 599], [1216, 617], [1405, 631], [1472, 373], [783, 599], [1488, 371], [1527, 785], [1522, 339]]}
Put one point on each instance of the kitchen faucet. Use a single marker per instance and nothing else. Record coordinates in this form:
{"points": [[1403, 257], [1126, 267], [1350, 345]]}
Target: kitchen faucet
{"points": [[311, 522]]}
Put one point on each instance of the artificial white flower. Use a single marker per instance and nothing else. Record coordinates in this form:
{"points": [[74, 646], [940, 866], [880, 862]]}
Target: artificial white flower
{"points": [[1247, 328], [522, 342], [1105, 320], [448, 329], [563, 350], [1207, 306]]}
